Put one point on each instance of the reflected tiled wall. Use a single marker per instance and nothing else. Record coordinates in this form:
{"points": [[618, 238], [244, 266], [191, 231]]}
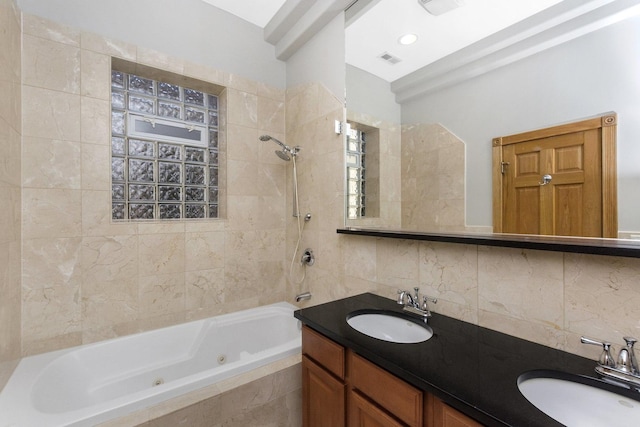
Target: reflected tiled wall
{"points": [[85, 278], [432, 179], [390, 172], [10, 339]]}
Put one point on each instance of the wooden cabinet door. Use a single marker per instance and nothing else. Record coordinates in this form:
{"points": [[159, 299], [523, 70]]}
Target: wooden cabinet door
{"points": [[323, 397], [445, 416], [364, 413]]}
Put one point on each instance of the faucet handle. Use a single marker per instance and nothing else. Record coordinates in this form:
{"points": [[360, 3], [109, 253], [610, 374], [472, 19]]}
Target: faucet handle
{"points": [[632, 356], [425, 306], [606, 359]]}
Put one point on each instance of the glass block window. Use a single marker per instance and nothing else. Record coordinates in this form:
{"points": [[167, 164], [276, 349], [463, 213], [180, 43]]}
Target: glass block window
{"points": [[164, 150], [355, 173]]}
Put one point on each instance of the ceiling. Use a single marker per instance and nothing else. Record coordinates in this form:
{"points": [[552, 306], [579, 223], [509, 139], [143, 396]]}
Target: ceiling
{"points": [[377, 31], [258, 12]]}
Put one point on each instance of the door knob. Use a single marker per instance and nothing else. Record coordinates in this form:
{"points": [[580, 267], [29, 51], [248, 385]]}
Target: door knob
{"points": [[545, 180]]}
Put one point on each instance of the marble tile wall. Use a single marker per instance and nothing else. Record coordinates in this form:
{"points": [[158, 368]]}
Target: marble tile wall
{"points": [[551, 298], [86, 278], [433, 162], [10, 233]]}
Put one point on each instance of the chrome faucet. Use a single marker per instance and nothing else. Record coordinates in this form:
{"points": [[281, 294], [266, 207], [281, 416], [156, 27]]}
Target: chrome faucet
{"points": [[624, 369], [412, 303]]}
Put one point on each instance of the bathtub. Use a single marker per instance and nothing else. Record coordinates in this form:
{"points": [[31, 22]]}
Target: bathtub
{"points": [[94, 383]]}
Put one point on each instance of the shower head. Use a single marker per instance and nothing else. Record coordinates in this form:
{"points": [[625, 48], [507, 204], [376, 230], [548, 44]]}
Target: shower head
{"points": [[269, 137], [286, 152], [284, 156]]}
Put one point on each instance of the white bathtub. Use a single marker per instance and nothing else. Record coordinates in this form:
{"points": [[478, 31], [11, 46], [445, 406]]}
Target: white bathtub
{"points": [[90, 384]]}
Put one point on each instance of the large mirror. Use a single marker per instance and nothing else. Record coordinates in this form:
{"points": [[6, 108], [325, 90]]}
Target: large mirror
{"points": [[431, 118]]}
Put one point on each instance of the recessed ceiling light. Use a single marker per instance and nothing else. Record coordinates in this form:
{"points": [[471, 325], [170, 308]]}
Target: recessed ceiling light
{"points": [[408, 39]]}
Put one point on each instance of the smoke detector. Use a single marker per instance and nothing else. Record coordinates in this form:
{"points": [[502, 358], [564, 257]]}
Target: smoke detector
{"points": [[438, 7], [389, 58]]}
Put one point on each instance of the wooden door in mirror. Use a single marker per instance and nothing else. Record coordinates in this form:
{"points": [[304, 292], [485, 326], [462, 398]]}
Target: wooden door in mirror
{"points": [[557, 181]]}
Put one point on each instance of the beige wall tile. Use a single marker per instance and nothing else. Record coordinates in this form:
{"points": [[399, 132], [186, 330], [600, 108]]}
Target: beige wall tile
{"points": [[95, 75], [161, 294], [99, 44], [450, 274], [242, 108], [161, 254], [204, 251], [602, 296], [43, 28], [50, 65], [51, 262], [523, 284], [95, 173], [271, 115], [51, 213], [51, 163], [50, 114], [204, 290], [95, 121]]}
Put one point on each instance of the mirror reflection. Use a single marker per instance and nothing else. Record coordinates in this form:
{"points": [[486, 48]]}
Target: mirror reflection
{"points": [[434, 116]]}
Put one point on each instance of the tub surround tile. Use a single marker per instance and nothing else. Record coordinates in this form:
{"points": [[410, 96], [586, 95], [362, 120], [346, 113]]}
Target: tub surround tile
{"points": [[161, 254], [242, 108], [108, 258], [51, 262], [106, 46], [50, 65], [50, 114], [95, 75], [51, 163], [160, 60], [204, 250], [51, 313], [271, 114], [161, 294], [50, 30], [271, 92], [204, 289], [96, 216], [95, 121], [51, 213], [107, 303], [93, 176]]}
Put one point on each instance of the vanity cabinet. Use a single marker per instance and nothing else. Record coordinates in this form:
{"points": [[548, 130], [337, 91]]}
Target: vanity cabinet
{"points": [[341, 388]]}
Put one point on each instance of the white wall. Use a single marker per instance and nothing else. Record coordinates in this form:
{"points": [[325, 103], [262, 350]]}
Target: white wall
{"points": [[189, 29], [321, 59], [593, 74], [371, 95]]}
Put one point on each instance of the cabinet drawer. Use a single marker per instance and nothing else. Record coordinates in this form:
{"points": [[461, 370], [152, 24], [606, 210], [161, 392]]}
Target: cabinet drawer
{"points": [[324, 351], [399, 398]]}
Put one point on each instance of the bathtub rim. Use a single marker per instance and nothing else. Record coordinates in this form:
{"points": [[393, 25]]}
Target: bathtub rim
{"points": [[33, 366]]}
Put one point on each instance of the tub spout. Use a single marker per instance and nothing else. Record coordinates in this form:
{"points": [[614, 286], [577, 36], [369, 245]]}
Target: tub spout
{"points": [[303, 296]]}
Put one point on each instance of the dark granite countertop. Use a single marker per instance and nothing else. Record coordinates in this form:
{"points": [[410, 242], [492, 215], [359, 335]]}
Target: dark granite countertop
{"points": [[471, 368]]}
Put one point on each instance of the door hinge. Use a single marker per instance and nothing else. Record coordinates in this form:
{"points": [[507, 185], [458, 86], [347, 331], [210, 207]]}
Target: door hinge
{"points": [[503, 167]]}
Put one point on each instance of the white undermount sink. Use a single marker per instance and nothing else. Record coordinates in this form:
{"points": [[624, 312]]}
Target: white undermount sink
{"points": [[580, 401], [389, 326]]}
